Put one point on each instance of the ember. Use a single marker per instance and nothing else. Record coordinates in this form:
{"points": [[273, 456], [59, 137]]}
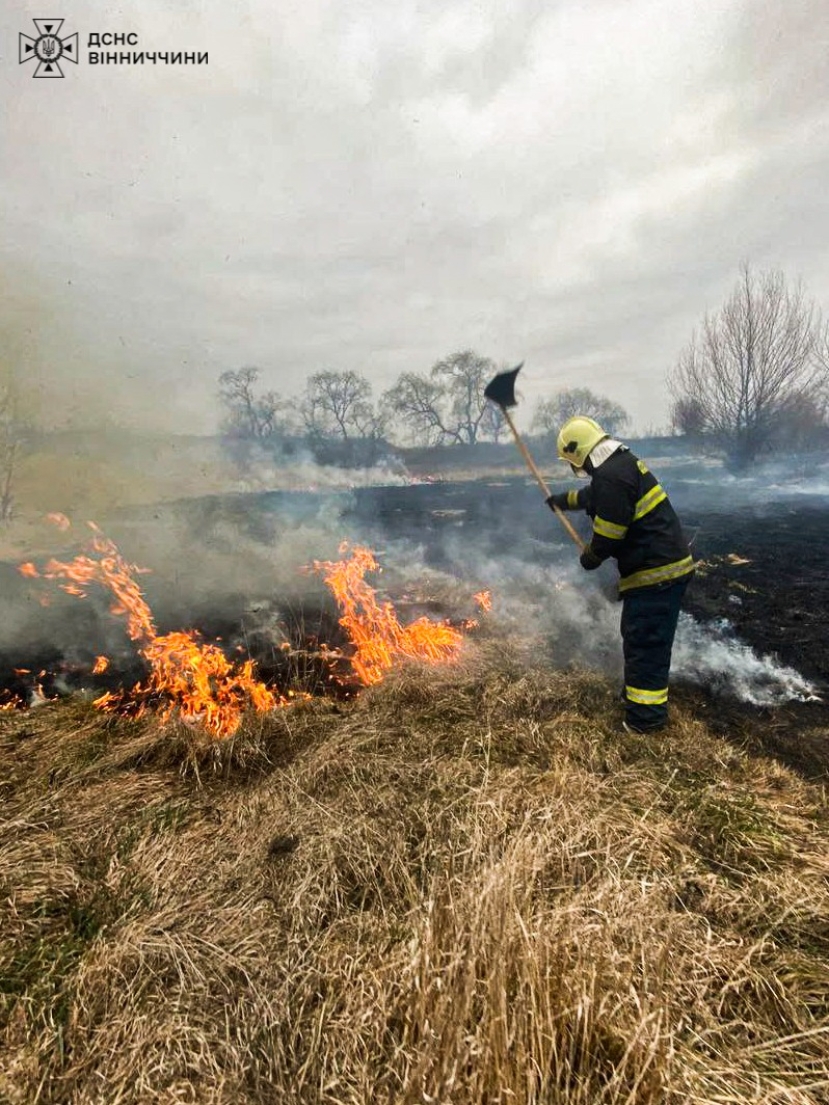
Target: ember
{"points": [[59, 520]]}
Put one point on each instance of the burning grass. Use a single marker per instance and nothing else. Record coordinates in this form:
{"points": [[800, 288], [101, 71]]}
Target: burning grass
{"points": [[462, 886], [194, 680], [373, 626]]}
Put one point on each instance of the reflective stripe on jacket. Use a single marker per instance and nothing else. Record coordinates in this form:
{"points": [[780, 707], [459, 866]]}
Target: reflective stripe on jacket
{"points": [[634, 522]]}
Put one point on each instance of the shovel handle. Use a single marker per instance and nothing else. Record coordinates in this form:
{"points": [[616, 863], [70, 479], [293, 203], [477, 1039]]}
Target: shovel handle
{"points": [[525, 452]]}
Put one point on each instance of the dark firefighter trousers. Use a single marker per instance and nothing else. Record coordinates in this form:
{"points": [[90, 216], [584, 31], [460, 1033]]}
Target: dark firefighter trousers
{"points": [[649, 617]]}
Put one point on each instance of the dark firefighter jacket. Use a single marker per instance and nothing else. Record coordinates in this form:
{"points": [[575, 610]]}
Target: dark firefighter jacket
{"points": [[633, 521]]}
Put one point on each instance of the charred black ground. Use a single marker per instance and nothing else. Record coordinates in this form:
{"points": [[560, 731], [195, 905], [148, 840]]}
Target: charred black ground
{"points": [[778, 602]]}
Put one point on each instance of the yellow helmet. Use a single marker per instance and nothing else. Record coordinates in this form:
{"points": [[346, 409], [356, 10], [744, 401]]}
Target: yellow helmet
{"points": [[577, 437]]}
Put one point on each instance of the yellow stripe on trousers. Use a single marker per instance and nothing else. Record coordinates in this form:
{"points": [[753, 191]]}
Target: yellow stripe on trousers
{"points": [[647, 698]]}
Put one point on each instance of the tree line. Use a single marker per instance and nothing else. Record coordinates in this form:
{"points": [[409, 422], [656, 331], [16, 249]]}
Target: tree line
{"points": [[445, 406], [752, 380]]}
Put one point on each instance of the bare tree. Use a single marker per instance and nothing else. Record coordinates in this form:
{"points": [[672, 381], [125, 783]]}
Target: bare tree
{"points": [[416, 403], [551, 414], [13, 438], [688, 416], [465, 375], [448, 405], [751, 366], [247, 415], [338, 405]]}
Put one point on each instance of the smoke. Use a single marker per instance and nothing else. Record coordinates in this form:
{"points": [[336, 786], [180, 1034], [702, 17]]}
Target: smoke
{"points": [[552, 612], [76, 371], [579, 625], [106, 413], [783, 478], [92, 417], [261, 471], [706, 482], [713, 656], [206, 563]]}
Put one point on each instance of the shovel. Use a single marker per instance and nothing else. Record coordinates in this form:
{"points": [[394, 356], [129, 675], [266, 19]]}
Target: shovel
{"points": [[501, 391]]}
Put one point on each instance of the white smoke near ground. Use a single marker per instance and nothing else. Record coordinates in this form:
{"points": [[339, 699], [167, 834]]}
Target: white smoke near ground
{"points": [[709, 481], [714, 656], [302, 472], [546, 608], [315, 477], [539, 610], [196, 559], [581, 626]]}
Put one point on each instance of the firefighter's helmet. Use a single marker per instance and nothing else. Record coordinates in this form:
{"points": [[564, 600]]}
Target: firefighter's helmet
{"points": [[576, 439]]}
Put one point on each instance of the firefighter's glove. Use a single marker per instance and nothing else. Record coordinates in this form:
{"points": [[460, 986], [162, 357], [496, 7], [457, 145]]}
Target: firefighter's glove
{"points": [[559, 501], [589, 560]]}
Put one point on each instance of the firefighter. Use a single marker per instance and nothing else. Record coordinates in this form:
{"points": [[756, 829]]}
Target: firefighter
{"points": [[634, 522]]}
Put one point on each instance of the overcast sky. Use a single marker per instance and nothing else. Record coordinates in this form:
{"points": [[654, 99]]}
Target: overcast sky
{"points": [[370, 186]]}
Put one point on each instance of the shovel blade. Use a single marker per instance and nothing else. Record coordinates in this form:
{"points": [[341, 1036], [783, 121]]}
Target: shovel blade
{"points": [[501, 388]]}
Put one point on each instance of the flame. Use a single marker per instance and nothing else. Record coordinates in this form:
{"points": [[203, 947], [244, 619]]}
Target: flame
{"points": [[188, 677], [373, 627], [105, 565], [484, 600], [194, 680], [59, 520], [201, 684]]}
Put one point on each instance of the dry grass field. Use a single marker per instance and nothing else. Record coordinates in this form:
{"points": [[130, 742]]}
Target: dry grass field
{"points": [[464, 886]]}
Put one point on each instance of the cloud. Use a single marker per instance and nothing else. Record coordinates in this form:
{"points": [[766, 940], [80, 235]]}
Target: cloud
{"points": [[370, 187]]}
